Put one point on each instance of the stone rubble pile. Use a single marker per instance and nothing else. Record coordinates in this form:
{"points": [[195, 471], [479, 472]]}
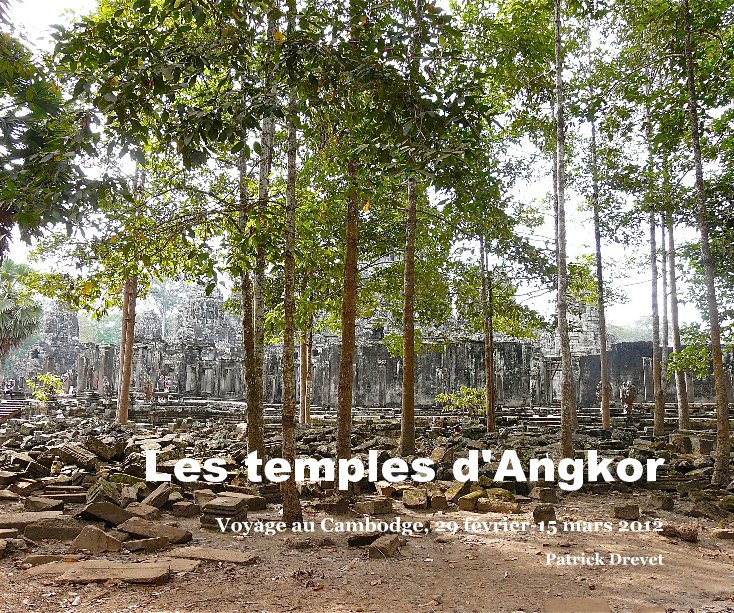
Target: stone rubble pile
{"points": [[81, 481]]}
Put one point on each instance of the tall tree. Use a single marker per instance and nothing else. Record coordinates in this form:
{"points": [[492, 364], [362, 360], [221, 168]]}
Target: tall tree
{"points": [[291, 504], [721, 454], [568, 387], [684, 420], [407, 422]]}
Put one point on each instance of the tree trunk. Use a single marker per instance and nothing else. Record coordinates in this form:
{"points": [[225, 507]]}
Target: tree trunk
{"points": [[255, 440], [407, 421], [665, 330], [348, 321], [488, 339], [126, 350], [303, 363], [606, 422], [721, 454], [258, 281], [659, 410], [684, 419], [309, 370], [568, 387], [291, 504]]}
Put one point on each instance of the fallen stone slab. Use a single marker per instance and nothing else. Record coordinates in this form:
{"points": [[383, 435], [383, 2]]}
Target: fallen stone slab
{"points": [[468, 502], [70, 497], [105, 511], [146, 511], [384, 547], [60, 528], [41, 503], [173, 565], [213, 554], [148, 529], [25, 487], [47, 558], [147, 545], [20, 520], [8, 496], [184, 508], [253, 502], [576, 605], [225, 505], [126, 573], [159, 496], [74, 454], [94, 540]]}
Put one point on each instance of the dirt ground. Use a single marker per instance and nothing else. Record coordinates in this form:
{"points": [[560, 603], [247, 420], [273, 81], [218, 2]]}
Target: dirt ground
{"points": [[432, 572]]}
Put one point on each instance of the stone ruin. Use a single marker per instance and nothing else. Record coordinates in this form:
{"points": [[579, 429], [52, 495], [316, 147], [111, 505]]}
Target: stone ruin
{"points": [[203, 358]]}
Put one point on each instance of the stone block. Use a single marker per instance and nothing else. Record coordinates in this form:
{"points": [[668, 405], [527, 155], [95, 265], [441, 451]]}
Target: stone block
{"points": [[544, 513], [159, 496], [384, 547], [630, 512], [143, 510], [721, 534], [60, 528], [74, 454], [494, 505], [148, 529], [41, 503], [147, 545], [456, 490], [374, 505], [544, 494], [95, 541], [662, 502], [107, 512], [185, 508], [104, 490], [468, 502], [439, 502], [20, 520], [415, 498]]}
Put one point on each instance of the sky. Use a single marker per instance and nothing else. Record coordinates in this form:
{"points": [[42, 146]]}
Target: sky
{"points": [[34, 17]]}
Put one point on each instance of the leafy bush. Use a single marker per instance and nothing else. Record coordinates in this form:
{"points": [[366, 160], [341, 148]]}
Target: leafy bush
{"points": [[470, 400], [46, 387]]}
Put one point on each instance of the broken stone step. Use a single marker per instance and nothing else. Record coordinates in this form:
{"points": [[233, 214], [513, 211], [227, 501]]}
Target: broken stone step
{"points": [[213, 554], [149, 529]]}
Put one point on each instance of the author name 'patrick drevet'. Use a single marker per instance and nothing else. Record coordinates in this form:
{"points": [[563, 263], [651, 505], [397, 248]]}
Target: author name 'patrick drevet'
{"points": [[598, 559]]}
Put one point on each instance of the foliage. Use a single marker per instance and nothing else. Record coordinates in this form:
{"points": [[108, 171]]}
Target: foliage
{"points": [[20, 315], [46, 386], [469, 400]]}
